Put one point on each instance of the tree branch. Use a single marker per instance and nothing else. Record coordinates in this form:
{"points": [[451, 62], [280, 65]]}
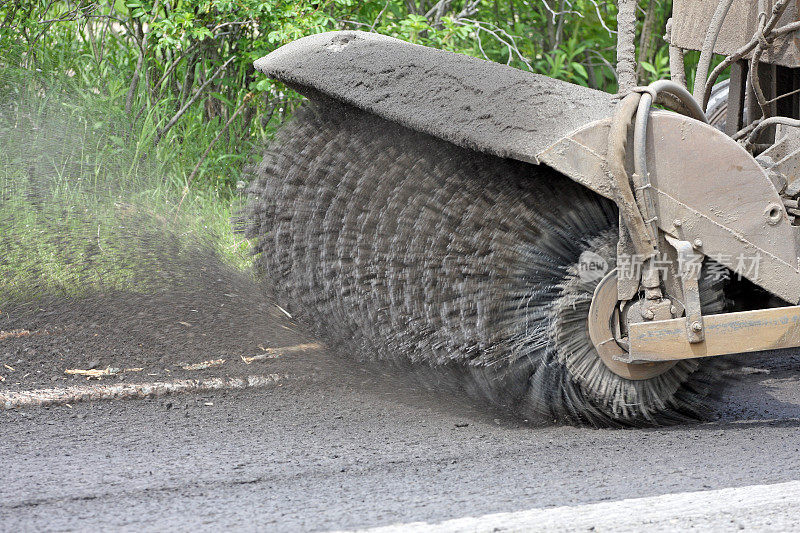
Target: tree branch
{"points": [[646, 39], [160, 133], [139, 63], [174, 64]]}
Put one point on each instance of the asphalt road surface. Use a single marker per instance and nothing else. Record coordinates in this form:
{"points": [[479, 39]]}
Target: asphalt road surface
{"points": [[336, 445]]}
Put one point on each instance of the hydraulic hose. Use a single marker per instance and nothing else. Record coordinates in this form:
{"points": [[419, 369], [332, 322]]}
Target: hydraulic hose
{"points": [[629, 209]]}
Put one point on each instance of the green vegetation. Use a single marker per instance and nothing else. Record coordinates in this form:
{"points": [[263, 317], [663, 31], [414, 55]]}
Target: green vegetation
{"points": [[113, 110]]}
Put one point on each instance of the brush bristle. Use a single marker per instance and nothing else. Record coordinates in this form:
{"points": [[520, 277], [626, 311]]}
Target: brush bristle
{"points": [[402, 247]]}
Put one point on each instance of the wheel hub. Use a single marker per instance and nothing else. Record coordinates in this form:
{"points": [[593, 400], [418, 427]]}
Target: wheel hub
{"points": [[604, 330]]}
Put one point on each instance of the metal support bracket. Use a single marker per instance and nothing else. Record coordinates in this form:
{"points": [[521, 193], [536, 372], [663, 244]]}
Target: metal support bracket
{"points": [[726, 333], [690, 265]]}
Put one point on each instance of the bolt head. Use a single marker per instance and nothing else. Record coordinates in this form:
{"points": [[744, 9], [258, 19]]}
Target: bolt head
{"points": [[697, 326], [649, 315], [673, 310], [677, 223], [698, 243]]}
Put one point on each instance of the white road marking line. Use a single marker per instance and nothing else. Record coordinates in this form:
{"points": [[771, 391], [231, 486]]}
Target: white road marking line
{"points": [[760, 506], [40, 397]]}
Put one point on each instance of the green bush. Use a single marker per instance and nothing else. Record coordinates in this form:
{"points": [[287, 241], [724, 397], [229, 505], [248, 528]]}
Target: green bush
{"points": [[179, 74]]}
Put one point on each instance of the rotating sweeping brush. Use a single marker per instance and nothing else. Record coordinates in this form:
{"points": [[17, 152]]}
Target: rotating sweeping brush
{"points": [[400, 246]]}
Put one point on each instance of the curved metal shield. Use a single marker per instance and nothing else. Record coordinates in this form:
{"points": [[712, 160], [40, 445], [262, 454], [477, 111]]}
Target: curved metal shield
{"points": [[470, 102]]}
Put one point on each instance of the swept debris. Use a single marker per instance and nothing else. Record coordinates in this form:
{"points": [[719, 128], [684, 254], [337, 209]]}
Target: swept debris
{"points": [[205, 364], [93, 373], [14, 334], [274, 353]]}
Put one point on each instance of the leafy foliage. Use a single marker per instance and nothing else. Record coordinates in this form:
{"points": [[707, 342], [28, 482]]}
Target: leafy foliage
{"points": [[179, 76]]}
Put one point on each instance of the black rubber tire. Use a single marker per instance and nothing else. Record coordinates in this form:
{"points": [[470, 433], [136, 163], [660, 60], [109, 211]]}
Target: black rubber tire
{"points": [[717, 106]]}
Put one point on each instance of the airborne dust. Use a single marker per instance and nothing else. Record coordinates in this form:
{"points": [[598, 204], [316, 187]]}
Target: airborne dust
{"points": [[106, 269], [100, 268]]}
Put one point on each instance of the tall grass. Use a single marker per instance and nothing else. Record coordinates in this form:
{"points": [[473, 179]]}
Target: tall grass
{"points": [[87, 203]]}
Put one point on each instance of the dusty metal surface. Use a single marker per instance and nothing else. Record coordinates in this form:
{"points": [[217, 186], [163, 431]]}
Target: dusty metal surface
{"points": [[473, 103], [689, 263], [784, 156], [727, 333], [626, 49], [691, 19], [727, 202], [604, 303]]}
